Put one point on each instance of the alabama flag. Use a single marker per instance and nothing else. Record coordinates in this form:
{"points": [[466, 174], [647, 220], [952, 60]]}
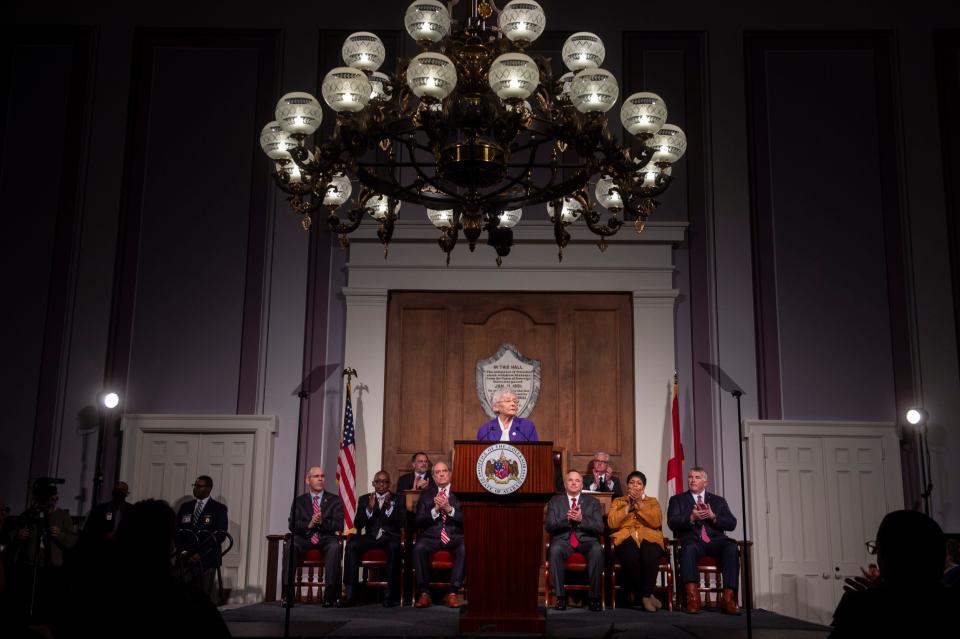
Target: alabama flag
{"points": [[675, 465]]}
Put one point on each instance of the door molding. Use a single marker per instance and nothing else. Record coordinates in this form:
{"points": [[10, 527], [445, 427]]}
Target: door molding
{"points": [[264, 428], [755, 433]]}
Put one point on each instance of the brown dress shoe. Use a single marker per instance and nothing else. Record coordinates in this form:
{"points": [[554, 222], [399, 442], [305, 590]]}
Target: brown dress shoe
{"points": [[693, 599], [452, 600], [424, 601], [728, 603]]}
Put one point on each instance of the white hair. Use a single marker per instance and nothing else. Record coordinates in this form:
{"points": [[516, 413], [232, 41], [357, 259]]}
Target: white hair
{"points": [[499, 394]]}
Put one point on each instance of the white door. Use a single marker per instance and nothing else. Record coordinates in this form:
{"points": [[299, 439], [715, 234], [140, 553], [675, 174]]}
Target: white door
{"points": [[801, 575], [228, 459], [167, 468], [856, 498]]}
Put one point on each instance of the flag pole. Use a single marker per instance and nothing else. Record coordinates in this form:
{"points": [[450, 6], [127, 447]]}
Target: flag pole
{"points": [[349, 373]]}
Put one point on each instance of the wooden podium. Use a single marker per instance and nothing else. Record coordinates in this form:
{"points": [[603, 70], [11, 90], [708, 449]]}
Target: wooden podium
{"points": [[503, 537]]}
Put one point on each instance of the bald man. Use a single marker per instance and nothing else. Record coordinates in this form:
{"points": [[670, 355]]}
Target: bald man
{"points": [[316, 517]]}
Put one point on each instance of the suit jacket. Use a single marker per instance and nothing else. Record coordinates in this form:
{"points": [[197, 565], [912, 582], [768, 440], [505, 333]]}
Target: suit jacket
{"points": [[559, 527], [406, 482], [102, 521], [521, 430], [301, 512], [430, 527], [617, 489], [213, 519], [391, 523], [678, 517]]}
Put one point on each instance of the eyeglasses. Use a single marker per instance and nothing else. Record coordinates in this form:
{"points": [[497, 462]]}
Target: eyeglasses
{"points": [[201, 486], [871, 547], [381, 481]]}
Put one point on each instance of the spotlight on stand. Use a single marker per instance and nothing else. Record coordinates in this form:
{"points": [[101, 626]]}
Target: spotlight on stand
{"points": [[106, 401], [918, 417]]}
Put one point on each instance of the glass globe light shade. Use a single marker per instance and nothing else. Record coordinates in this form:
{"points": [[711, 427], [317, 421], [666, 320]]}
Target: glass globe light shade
{"points": [[427, 20], [299, 113], [647, 176], [378, 206], [608, 194], [594, 90], [643, 113], [522, 21], [346, 89], [380, 86], [431, 75], [276, 142], [570, 211], [440, 218], [363, 50], [338, 191], [583, 50], [668, 144], [514, 75], [510, 218], [291, 170], [565, 81], [111, 400]]}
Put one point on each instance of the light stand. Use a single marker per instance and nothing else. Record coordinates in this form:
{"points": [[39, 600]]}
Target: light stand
{"points": [[919, 417], [105, 405], [288, 587], [748, 595]]}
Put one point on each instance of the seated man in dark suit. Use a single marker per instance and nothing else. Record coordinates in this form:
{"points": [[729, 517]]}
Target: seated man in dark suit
{"points": [[698, 520], [316, 520], [206, 518], [419, 477], [440, 520], [380, 519], [575, 523], [600, 478]]}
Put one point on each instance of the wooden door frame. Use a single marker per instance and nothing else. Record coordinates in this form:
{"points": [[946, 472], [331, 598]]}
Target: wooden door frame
{"points": [[264, 427]]}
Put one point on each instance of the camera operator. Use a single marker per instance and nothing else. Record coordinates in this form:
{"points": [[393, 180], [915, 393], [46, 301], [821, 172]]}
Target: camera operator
{"points": [[44, 533]]}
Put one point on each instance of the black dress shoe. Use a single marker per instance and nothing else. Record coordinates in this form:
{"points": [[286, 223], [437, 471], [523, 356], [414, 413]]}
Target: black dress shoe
{"points": [[327, 603], [595, 605], [561, 603], [286, 604], [346, 603], [389, 603]]}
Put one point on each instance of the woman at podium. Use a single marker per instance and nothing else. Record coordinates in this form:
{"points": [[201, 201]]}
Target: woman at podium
{"points": [[506, 426]]}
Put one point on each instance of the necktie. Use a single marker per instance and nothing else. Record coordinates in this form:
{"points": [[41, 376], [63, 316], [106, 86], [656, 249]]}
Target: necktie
{"points": [[444, 537], [315, 537], [196, 512], [574, 542], [602, 484], [703, 527]]}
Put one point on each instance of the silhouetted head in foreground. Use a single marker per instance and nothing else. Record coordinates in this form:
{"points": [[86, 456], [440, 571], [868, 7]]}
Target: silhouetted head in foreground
{"points": [[910, 549]]}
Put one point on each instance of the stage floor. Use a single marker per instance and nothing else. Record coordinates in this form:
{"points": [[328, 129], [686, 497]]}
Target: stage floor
{"points": [[373, 620]]}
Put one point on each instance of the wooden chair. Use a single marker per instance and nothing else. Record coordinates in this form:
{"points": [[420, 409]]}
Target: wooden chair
{"points": [[376, 560], [576, 564], [664, 588]]}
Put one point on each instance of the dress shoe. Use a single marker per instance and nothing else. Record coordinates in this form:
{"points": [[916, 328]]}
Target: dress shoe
{"points": [[452, 600], [595, 605], [286, 604], [347, 603], [656, 602], [648, 604], [424, 601], [390, 603], [693, 598], [328, 603], [728, 603], [561, 603]]}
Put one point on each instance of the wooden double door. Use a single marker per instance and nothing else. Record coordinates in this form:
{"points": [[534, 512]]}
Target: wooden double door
{"points": [[584, 343]]}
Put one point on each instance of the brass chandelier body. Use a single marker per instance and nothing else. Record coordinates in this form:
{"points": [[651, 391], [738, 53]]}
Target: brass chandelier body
{"points": [[474, 159]]}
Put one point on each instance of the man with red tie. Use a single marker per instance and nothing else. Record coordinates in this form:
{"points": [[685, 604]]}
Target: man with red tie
{"points": [[440, 521], [575, 523], [316, 519], [699, 520]]}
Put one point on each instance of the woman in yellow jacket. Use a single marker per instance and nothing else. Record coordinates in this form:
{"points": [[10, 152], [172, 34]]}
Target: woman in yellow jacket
{"points": [[636, 522]]}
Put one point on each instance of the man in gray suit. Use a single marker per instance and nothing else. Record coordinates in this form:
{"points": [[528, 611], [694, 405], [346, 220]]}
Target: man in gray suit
{"points": [[575, 522]]}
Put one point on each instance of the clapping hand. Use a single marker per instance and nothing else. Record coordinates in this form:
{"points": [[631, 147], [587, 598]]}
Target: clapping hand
{"points": [[371, 501], [870, 578], [636, 495], [315, 520], [575, 514], [420, 484], [441, 502]]}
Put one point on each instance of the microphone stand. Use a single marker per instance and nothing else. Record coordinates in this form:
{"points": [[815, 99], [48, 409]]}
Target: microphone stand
{"points": [[748, 596]]}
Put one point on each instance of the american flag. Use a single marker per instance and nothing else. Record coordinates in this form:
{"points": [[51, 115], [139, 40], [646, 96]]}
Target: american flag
{"points": [[346, 466]]}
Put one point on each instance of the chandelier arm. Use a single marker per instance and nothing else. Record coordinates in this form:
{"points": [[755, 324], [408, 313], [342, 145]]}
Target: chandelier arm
{"points": [[592, 218], [338, 226]]}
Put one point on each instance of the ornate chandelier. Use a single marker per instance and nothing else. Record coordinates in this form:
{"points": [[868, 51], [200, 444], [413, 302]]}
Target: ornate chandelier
{"points": [[474, 130]]}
